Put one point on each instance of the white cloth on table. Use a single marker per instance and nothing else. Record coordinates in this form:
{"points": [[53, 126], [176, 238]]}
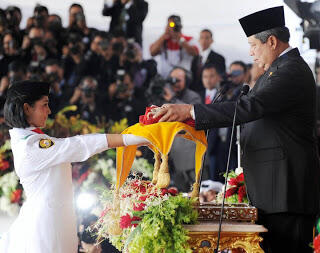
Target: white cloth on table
{"points": [[47, 221]]}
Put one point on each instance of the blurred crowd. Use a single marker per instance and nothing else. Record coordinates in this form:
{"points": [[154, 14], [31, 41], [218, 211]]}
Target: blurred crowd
{"points": [[105, 75]]}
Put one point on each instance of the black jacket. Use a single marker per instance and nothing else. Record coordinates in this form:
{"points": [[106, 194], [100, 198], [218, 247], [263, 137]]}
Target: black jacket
{"points": [[280, 159], [196, 68], [137, 12]]}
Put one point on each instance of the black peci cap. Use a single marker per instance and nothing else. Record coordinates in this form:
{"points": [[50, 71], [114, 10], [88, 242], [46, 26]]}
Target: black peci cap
{"points": [[29, 91], [263, 20]]}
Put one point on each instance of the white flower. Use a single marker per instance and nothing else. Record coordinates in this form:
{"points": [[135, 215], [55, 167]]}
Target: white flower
{"points": [[11, 209], [239, 170]]}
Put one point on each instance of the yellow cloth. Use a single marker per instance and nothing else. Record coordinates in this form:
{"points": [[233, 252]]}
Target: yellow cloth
{"points": [[160, 136]]}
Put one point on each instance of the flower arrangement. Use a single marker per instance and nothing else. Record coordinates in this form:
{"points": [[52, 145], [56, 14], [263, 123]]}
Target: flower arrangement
{"points": [[236, 188], [10, 189], [150, 218]]}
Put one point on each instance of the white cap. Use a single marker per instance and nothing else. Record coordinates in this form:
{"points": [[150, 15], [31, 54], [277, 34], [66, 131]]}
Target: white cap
{"points": [[208, 185]]}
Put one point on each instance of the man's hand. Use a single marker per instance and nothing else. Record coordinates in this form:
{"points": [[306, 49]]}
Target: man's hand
{"points": [[168, 94], [173, 112]]}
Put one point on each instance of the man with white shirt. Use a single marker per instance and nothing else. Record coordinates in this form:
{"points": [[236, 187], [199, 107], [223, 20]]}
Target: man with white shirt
{"points": [[175, 48], [206, 56], [279, 157]]}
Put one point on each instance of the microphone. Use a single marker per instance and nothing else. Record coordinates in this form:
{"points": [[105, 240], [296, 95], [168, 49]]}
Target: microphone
{"points": [[244, 91]]}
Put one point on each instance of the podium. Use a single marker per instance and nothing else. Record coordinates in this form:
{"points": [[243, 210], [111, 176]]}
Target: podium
{"points": [[238, 229], [234, 235]]}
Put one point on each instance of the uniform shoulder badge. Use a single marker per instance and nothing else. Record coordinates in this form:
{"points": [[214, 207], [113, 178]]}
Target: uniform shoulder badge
{"points": [[45, 143], [270, 74]]}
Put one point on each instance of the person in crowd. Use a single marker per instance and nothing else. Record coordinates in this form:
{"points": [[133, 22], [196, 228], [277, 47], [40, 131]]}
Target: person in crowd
{"points": [[209, 190], [13, 18], [46, 222], [280, 156], [255, 72], [174, 48], [77, 24], [127, 16], [92, 107], [206, 56], [54, 74], [178, 92], [10, 52], [211, 80], [124, 102]]}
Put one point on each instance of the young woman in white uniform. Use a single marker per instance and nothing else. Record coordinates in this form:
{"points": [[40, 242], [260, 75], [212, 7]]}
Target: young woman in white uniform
{"points": [[46, 222]]}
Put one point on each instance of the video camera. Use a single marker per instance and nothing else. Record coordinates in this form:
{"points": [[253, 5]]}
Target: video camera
{"points": [[155, 91]]}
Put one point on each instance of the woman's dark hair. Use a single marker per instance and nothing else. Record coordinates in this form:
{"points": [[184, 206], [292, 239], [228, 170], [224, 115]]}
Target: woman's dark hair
{"points": [[19, 93]]}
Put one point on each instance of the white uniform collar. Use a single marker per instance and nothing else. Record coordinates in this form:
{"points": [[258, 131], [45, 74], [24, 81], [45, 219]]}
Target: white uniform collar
{"points": [[16, 133]]}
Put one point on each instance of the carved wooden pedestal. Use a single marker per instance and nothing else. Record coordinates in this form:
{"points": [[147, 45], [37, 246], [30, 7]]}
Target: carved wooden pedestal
{"points": [[203, 237]]}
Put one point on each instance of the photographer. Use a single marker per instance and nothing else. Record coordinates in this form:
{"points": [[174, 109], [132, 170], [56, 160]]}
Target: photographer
{"points": [[127, 16], [71, 62], [54, 76], [77, 24], [124, 101], [10, 52], [13, 18], [16, 72], [174, 48], [141, 70], [96, 60], [179, 93], [90, 106]]}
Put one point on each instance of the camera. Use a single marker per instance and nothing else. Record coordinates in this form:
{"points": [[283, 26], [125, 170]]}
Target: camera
{"points": [[155, 91], [74, 39], [53, 77], [121, 86], [79, 17], [130, 52], [104, 44], [117, 48], [88, 91], [175, 23]]}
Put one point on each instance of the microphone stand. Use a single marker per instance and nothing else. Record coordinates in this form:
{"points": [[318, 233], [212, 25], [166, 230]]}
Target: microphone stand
{"points": [[244, 91], [222, 91]]}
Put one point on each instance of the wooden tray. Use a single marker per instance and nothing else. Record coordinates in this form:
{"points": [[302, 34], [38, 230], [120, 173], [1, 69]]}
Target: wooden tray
{"points": [[232, 212]]}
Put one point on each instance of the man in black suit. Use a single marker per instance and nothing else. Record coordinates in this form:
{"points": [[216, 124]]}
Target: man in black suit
{"points": [[206, 56], [128, 16], [280, 160]]}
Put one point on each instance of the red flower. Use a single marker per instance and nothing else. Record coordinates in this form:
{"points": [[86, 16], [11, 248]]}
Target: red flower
{"points": [[231, 191], [125, 221], [164, 191], [240, 178], [135, 218], [139, 206], [126, 195], [143, 198], [173, 191], [316, 243], [241, 193], [16, 196], [83, 177], [4, 165], [233, 181]]}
